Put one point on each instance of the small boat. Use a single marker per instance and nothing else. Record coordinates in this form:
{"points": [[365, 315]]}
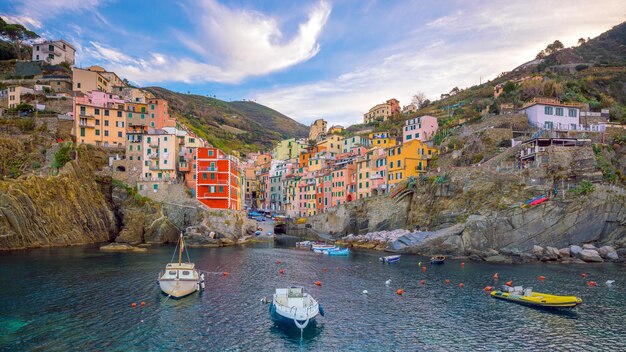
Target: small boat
{"points": [[180, 279], [323, 248], [339, 251], [304, 245], [390, 258], [293, 306], [438, 259], [527, 297]]}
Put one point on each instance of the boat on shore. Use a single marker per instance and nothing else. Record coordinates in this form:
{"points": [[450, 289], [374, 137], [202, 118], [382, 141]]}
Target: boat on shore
{"points": [[321, 248], [305, 245], [293, 306], [438, 259], [527, 297], [390, 258], [180, 279]]}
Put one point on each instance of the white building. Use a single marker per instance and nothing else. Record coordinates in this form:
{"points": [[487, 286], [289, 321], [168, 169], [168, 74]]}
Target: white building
{"points": [[550, 114], [54, 52]]}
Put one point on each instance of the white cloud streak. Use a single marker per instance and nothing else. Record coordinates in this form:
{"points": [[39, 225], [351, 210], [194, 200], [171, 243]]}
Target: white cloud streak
{"points": [[245, 43], [454, 50]]}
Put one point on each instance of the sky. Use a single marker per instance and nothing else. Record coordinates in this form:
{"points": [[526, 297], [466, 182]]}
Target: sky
{"points": [[312, 59]]}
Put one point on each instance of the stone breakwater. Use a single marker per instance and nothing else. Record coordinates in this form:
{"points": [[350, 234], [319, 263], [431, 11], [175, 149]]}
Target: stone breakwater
{"points": [[384, 240]]}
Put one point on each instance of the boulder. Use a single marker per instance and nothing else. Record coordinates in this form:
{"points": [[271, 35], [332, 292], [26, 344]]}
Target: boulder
{"points": [[589, 246], [590, 255], [608, 252], [551, 253], [621, 252], [122, 247], [564, 252], [498, 259], [574, 251], [537, 250]]}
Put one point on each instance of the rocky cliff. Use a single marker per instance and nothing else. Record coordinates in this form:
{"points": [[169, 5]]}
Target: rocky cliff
{"points": [[62, 210]]}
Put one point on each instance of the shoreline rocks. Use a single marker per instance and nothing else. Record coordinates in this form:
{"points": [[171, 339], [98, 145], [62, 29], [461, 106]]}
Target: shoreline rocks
{"points": [[122, 247]]}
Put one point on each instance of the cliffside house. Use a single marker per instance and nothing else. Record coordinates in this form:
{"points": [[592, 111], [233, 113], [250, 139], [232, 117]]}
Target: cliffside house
{"points": [[550, 114], [217, 179], [422, 128], [382, 112], [54, 52]]}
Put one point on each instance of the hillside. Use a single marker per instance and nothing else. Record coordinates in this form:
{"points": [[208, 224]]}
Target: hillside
{"points": [[243, 125]]}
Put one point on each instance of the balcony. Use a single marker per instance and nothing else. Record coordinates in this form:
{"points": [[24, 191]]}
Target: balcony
{"points": [[184, 166], [214, 169], [86, 116], [85, 125], [153, 156], [155, 167], [154, 144]]}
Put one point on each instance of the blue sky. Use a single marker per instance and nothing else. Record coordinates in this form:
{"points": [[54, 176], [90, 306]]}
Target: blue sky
{"points": [[313, 58]]}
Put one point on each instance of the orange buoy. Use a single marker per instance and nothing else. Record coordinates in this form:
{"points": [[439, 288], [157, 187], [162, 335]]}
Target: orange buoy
{"points": [[461, 285], [541, 278], [487, 288], [423, 268], [592, 283], [462, 264], [324, 269], [281, 271], [400, 291], [583, 275], [509, 283], [447, 281], [133, 304], [318, 283], [278, 261], [495, 276], [143, 303], [422, 282], [225, 273]]}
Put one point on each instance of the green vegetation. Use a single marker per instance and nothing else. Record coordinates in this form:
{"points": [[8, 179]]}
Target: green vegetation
{"points": [[243, 125], [62, 156], [585, 187]]}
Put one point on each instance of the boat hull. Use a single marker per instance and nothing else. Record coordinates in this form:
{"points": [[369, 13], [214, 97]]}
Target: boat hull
{"points": [[390, 259], [539, 300], [179, 288], [284, 319]]}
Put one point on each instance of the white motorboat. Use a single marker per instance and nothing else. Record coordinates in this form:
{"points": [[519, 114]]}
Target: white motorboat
{"points": [[180, 279], [293, 306]]}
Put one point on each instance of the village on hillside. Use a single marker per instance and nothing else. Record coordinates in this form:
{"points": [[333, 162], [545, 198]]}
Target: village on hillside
{"points": [[159, 156]]}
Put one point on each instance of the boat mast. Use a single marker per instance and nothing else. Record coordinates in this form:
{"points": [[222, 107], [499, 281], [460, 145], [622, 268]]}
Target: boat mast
{"points": [[180, 253]]}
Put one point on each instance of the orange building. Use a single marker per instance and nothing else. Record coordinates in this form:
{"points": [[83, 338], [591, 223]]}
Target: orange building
{"points": [[159, 114], [217, 179]]}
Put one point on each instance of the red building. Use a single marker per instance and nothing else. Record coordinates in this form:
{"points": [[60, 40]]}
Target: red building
{"points": [[395, 106], [217, 179]]}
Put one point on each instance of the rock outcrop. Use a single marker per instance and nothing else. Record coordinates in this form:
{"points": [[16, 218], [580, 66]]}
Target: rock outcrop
{"points": [[63, 210]]}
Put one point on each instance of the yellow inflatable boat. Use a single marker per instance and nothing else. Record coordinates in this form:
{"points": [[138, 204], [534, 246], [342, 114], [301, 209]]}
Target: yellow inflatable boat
{"points": [[536, 299]]}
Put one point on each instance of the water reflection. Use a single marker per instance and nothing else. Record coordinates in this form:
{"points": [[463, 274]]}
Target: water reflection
{"points": [[291, 333]]}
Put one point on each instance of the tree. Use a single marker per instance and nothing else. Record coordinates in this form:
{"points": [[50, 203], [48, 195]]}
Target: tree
{"points": [[581, 41], [418, 99], [550, 49], [425, 103], [454, 91], [17, 34]]}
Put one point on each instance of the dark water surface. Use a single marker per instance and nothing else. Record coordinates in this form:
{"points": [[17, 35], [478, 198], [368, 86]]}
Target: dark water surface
{"points": [[79, 298]]}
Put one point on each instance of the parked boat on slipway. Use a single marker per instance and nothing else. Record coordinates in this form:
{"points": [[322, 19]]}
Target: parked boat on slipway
{"points": [[180, 279]]}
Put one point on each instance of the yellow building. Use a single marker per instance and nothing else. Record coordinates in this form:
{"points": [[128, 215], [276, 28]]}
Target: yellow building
{"points": [[336, 129], [381, 139], [331, 144], [86, 81], [408, 159], [99, 119], [318, 129], [288, 148]]}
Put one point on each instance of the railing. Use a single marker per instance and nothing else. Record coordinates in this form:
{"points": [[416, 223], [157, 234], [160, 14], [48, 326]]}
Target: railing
{"points": [[84, 124], [208, 169], [155, 167], [153, 156], [86, 116]]}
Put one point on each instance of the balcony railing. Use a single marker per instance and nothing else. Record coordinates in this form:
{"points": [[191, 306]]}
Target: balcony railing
{"points": [[84, 124], [208, 169], [153, 156], [184, 167], [154, 144], [86, 116]]}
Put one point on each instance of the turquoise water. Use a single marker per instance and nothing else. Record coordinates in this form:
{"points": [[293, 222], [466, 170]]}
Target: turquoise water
{"points": [[68, 299]]}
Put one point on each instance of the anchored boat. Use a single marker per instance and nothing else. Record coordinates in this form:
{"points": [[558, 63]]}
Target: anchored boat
{"points": [[339, 252], [527, 297], [321, 248], [438, 259], [390, 258], [293, 306], [180, 279]]}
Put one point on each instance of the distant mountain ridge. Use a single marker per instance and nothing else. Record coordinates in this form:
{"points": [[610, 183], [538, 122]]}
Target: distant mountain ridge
{"points": [[241, 125]]}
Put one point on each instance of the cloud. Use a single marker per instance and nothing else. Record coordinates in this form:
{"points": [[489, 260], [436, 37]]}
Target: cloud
{"points": [[458, 49], [31, 13], [25, 21], [232, 44]]}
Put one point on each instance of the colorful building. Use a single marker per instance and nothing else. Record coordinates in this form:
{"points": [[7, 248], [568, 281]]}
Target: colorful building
{"points": [[99, 119], [54, 52], [381, 140], [408, 159], [551, 114], [422, 128], [86, 81], [217, 179], [318, 129], [332, 144], [354, 141], [289, 148], [159, 115], [381, 112]]}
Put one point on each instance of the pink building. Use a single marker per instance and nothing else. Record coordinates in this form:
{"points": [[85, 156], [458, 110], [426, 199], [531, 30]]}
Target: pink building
{"points": [[422, 128], [378, 175]]}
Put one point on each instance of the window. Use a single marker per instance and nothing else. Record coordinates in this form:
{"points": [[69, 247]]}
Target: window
{"points": [[573, 127], [106, 112], [152, 124], [106, 122], [165, 161], [119, 114], [78, 85], [165, 149], [212, 189], [106, 133], [204, 177], [143, 116], [97, 132], [211, 154], [119, 134], [558, 111], [82, 132], [155, 187], [97, 122], [572, 113], [97, 111], [221, 189], [213, 178], [548, 110]]}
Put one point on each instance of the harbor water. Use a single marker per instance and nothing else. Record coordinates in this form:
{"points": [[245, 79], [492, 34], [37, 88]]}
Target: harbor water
{"points": [[79, 299]]}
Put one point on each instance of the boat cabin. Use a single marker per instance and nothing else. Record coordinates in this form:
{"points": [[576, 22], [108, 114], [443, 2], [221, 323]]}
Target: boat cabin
{"points": [[292, 297], [179, 271]]}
